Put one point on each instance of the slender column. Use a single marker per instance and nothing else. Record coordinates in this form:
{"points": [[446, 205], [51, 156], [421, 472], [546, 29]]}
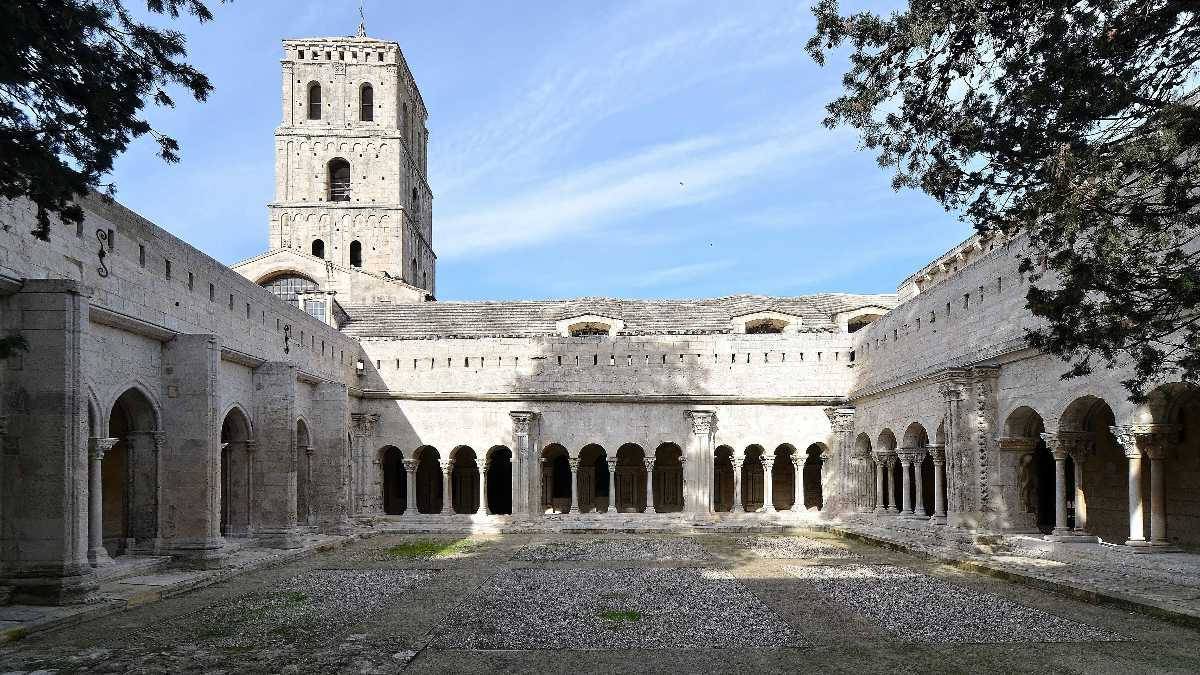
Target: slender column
{"points": [[574, 462], [880, 470], [768, 466], [918, 487], [612, 485], [1080, 497], [447, 493], [483, 505], [524, 466], [797, 485], [893, 501], [1128, 440], [650, 486], [939, 485], [737, 485], [97, 556], [906, 485], [410, 492]]}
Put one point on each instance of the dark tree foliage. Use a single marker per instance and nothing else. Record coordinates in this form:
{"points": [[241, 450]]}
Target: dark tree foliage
{"points": [[1075, 122], [74, 78]]}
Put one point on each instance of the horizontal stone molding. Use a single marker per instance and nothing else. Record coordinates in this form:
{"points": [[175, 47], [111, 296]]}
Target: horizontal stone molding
{"points": [[114, 319], [605, 398]]}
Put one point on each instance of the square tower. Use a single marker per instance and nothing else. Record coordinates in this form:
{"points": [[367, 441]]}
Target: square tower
{"points": [[350, 159]]}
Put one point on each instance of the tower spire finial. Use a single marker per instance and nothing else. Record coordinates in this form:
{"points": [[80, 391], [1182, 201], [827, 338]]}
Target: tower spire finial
{"points": [[362, 25]]}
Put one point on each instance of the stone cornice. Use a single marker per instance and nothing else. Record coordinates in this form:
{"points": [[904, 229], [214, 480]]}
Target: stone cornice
{"points": [[684, 399]]}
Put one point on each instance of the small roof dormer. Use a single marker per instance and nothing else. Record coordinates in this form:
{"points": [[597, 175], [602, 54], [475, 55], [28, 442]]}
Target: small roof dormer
{"points": [[766, 322], [586, 325]]}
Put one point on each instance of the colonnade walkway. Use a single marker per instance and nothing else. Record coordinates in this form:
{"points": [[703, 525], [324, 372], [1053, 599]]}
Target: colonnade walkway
{"points": [[1164, 584]]}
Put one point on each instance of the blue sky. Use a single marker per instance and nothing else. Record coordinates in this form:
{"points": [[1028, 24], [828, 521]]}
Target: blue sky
{"points": [[634, 149]]}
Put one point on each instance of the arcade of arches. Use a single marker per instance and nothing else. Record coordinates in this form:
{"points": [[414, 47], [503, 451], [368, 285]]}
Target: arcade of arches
{"points": [[1069, 475]]}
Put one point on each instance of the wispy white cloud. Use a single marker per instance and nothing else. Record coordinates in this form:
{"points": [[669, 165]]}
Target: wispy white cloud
{"points": [[641, 54], [681, 273], [685, 173]]}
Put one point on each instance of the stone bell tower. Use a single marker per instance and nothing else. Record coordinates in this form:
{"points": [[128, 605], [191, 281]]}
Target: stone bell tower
{"points": [[350, 159]]}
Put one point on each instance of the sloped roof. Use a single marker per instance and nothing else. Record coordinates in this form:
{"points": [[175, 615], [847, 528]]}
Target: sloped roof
{"points": [[533, 318]]}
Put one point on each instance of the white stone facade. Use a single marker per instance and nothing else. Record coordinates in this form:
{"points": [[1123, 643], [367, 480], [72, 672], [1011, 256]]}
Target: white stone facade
{"points": [[169, 405]]}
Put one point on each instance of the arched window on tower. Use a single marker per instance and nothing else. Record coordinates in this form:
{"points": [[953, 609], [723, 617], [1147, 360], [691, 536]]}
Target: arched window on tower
{"points": [[415, 200], [318, 248], [366, 101], [414, 269], [314, 101], [355, 254], [339, 180]]}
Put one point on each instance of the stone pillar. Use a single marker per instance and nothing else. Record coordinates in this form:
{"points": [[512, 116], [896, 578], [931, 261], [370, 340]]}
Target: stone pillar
{"points": [[97, 555], [768, 467], [918, 486], [893, 498], [365, 467], [698, 457], [906, 483], [839, 493], [410, 487], [274, 469], [1060, 484], [939, 484], [737, 507], [447, 488], [1081, 446], [483, 505], [880, 482], [1127, 438], [523, 449], [574, 464], [1156, 440], [797, 484], [329, 417], [45, 449], [650, 486], [612, 485]]}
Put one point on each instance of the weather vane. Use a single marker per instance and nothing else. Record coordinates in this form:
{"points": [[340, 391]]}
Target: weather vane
{"points": [[362, 25]]}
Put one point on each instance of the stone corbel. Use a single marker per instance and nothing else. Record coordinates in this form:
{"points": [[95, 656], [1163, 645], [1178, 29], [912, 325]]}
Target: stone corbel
{"points": [[98, 447]]}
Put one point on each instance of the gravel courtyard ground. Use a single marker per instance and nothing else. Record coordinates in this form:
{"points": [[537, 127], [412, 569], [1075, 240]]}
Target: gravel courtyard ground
{"points": [[611, 603]]}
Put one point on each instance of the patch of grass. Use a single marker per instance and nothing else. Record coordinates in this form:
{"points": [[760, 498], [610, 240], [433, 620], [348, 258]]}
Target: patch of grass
{"points": [[428, 548], [294, 597], [620, 616]]}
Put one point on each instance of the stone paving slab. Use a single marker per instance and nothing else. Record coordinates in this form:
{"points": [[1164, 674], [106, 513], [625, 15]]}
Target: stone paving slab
{"points": [[794, 548], [919, 608], [1162, 585], [634, 608], [616, 549]]}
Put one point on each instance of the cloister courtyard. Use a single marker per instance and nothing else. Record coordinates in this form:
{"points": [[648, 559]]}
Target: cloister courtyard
{"points": [[800, 601]]}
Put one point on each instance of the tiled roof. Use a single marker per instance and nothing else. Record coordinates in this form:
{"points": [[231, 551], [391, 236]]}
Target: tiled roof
{"points": [[532, 318]]}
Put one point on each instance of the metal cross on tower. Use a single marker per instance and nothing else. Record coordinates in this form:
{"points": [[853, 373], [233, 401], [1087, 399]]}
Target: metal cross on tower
{"points": [[362, 24]]}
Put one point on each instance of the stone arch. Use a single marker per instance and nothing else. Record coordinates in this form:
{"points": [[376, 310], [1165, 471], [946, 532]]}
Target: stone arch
{"points": [[314, 108], [784, 479], [464, 480], [498, 466], [129, 474], [429, 479], [630, 477], [723, 487], [814, 462], [1174, 411], [668, 478], [395, 480], [915, 436], [237, 432], [752, 477], [555, 479], [886, 444], [338, 180], [303, 473], [1099, 501], [886, 441], [1034, 467], [592, 479]]}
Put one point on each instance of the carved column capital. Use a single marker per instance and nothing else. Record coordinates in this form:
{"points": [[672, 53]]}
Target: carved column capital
{"points": [[938, 453], [1079, 444], [1054, 445], [574, 463], [447, 467], [649, 463], [952, 384], [522, 420], [410, 465], [911, 455], [704, 422], [98, 447], [612, 464], [841, 420], [1152, 440]]}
